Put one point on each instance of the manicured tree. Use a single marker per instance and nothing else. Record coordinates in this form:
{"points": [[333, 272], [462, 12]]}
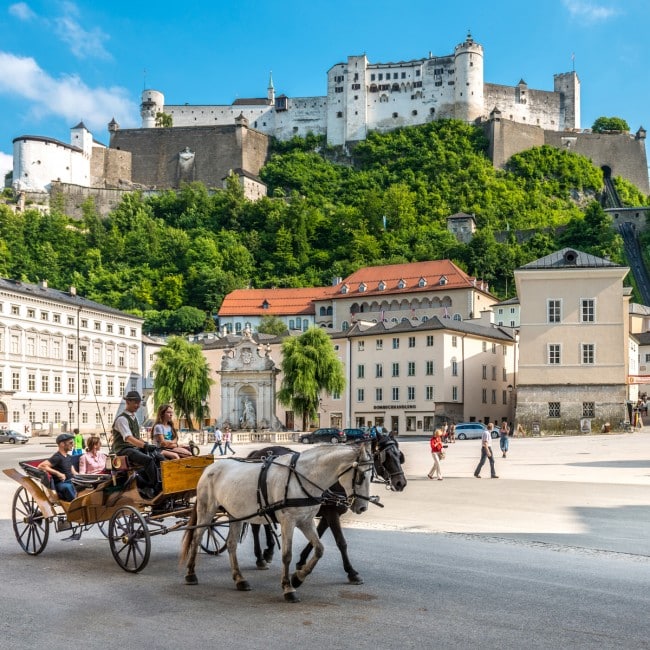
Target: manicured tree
{"points": [[182, 377], [272, 325], [309, 366]]}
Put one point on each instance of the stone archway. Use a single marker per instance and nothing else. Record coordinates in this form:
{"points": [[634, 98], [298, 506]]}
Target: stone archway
{"points": [[4, 413]]}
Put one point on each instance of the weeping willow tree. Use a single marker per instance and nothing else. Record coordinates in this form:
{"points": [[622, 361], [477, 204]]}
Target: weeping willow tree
{"points": [[182, 377], [309, 366]]}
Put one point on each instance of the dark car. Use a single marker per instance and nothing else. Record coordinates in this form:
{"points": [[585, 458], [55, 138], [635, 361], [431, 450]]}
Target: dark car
{"points": [[9, 435], [328, 434], [357, 434]]}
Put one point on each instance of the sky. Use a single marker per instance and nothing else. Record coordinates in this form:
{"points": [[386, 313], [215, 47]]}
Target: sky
{"points": [[62, 62]]}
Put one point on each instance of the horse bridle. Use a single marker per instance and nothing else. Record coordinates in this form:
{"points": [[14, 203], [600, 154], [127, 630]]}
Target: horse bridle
{"points": [[358, 478], [382, 475]]}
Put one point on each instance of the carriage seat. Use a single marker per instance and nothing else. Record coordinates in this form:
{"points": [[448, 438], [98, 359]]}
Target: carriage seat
{"points": [[31, 469]]}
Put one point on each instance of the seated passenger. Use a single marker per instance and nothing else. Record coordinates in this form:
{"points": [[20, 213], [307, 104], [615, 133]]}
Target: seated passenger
{"points": [[165, 436], [94, 460], [61, 467], [127, 442]]}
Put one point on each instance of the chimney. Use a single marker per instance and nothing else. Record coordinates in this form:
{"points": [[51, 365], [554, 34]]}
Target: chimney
{"points": [[73, 290], [487, 317], [43, 284]]}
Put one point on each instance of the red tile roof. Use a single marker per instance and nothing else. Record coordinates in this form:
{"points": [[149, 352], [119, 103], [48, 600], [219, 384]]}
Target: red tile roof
{"points": [[280, 302], [410, 274]]}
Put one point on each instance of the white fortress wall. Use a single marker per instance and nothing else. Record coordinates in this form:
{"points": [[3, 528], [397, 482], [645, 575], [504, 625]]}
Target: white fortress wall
{"points": [[304, 115], [38, 161], [519, 104], [205, 115]]}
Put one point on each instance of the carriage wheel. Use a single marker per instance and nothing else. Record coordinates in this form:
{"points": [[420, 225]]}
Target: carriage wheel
{"points": [[129, 538], [31, 528], [103, 528], [213, 541]]}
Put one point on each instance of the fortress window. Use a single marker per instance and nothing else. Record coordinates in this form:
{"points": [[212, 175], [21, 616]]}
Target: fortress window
{"points": [[395, 115], [450, 83], [414, 112], [380, 76], [356, 76], [356, 86], [395, 75], [403, 75], [372, 77], [417, 73], [438, 83], [339, 114]]}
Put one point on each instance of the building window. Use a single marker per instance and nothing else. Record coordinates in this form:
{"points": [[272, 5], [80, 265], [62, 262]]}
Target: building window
{"points": [[45, 384], [494, 373], [411, 341], [361, 371], [429, 340], [109, 328], [45, 315], [84, 322], [98, 326], [554, 409], [395, 344], [484, 370], [410, 393], [484, 396], [57, 383], [71, 386], [428, 393], [411, 369], [554, 353], [70, 356], [84, 386], [56, 318], [454, 393], [554, 312], [109, 388], [494, 348], [484, 346], [395, 372], [70, 320], [494, 396], [379, 370], [454, 368], [504, 397], [122, 330], [379, 344], [588, 353], [454, 341], [429, 368], [361, 395], [98, 386], [31, 382], [588, 311], [15, 381], [31, 313], [395, 392], [379, 395], [361, 345], [588, 409]]}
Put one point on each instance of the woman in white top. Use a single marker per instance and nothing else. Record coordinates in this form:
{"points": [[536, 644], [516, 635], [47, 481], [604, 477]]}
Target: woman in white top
{"points": [[165, 436]]}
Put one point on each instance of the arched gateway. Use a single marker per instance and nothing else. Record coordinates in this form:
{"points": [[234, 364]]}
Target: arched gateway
{"points": [[248, 386]]}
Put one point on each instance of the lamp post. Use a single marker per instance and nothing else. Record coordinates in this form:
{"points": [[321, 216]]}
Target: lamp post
{"points": [[511, 404], [70, 405]]}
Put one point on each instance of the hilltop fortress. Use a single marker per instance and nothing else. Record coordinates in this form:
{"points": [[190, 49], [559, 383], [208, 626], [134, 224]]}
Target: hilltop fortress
{"points": [[207, 142]]}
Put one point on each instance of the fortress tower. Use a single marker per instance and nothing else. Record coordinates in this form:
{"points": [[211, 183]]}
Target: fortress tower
{"points": [[153, 102], [468, 86], [568, 85]]}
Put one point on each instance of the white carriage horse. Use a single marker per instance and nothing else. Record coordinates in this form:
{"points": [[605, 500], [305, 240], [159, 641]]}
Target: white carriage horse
{"points": [[291, 487]]}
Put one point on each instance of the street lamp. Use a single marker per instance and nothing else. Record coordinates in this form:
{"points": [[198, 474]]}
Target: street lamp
{"points": [[70, 405]]}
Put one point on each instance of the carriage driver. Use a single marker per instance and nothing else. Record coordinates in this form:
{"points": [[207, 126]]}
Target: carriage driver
{"points": [[126, 441]]}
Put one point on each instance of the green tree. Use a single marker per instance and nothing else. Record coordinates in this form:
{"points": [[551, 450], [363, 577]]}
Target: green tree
{"points": [[164, 120], [271, 325], [603, 124], [182, 377], [309, 366]]}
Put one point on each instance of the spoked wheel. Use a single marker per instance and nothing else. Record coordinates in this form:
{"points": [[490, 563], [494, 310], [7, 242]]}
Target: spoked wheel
{"points": [[103, 528], [129, 538], [32, 529], [213, 541]]}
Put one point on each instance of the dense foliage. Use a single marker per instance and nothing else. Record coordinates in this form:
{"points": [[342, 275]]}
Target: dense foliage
{"points": [[172, 258], [605, 124]]}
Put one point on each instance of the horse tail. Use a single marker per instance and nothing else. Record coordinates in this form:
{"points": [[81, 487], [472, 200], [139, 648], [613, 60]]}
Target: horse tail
{"points": [[188, 536]]}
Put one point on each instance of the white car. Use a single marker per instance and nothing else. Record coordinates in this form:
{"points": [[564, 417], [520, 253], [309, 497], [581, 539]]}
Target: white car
{"points": [[469, 430]]}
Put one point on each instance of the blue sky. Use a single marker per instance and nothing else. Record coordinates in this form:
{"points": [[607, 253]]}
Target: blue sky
{"points": [[62, 62]]}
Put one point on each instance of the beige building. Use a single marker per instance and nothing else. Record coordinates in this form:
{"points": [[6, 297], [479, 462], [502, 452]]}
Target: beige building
{"points": [[574, 344]]}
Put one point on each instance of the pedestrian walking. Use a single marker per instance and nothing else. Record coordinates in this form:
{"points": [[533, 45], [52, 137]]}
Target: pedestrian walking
{"points": [[227, 437], [436, 453], [486, 452], [78, 443], [504, 432], [218, 439]]}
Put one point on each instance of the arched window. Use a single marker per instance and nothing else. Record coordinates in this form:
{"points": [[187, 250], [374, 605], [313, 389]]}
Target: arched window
{"points": [[329, 311], [238, 328], [323, 311], [345, 325], [305, 324]]}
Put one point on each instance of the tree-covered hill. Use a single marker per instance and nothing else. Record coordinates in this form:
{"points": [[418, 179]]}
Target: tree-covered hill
{"points": [[173, 257]]}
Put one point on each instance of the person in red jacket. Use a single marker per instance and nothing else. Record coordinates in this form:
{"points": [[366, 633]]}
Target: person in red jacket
{"points": [[436, 450]]}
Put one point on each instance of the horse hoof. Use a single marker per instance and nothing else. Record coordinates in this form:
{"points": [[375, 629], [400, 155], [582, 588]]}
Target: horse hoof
{"points": [[355, 579], [295, 581], [191, 579], [261, 565], [291, 597], [267, 556], [243, 586]]}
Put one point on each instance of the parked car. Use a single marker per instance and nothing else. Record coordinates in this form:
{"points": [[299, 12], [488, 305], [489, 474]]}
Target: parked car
{"points": [[9, 435], [357, 434], [469, 430], [328, 434]]}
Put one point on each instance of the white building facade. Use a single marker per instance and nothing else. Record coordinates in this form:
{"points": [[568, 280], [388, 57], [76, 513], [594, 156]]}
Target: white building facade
{"points": [[65, 361]]}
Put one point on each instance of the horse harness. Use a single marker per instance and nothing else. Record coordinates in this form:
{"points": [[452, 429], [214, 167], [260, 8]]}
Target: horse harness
{"points": [[382, 475]]}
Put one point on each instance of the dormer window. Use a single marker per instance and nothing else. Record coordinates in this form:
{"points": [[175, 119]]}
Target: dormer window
{"points": [[443, 280], [422, 282], [381, 286], [401, 284], [265, 304], [362, 287], [345, 288]]}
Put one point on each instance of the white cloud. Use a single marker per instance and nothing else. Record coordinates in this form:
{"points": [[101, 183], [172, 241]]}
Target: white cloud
{"points": [[22, 11], [6, 165], [589, 11], [83, 43], [67, 96]]}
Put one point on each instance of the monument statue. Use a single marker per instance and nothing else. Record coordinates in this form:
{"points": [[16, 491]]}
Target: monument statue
{"points": [[248, 420]]}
